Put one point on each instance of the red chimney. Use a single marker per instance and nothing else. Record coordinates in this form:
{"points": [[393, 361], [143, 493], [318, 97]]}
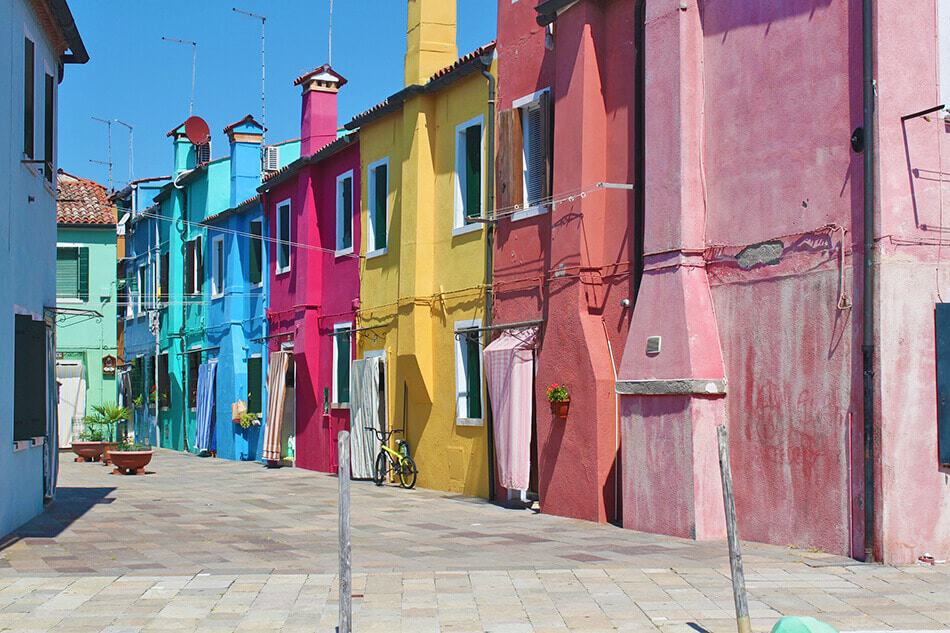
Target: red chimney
{"points": [[318, 115]]}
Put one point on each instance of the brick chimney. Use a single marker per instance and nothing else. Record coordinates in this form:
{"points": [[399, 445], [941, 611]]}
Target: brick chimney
{"points": [[430, 39], [318, 113], [245, 139]]}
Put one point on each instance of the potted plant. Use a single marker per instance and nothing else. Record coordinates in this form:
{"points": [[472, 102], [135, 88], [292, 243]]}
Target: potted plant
{"points": [[246, 420], [105, 418], [560, 400], [130, 457], [89, 446]]}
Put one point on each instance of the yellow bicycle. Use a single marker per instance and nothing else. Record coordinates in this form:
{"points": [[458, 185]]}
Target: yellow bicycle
{"points": [[399, 461]]}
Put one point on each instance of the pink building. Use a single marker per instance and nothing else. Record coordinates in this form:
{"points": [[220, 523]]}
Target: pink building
{"points": [[566, 126], [751, 311], [312, 209]]}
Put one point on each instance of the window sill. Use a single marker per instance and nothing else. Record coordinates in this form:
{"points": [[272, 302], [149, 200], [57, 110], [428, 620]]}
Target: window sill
{"points": [[469, 422], [466, 229], [68, 300], [214, 296], [530, 212], [281, 271], [379, 252], [343, 251], [22, 445], [344, 406]]}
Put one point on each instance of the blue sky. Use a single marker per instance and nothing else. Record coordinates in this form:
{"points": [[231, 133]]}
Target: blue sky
{"points": [[136, 77]]}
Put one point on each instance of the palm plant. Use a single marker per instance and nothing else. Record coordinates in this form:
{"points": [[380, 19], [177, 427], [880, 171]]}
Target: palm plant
{"points": [[104, 418]]}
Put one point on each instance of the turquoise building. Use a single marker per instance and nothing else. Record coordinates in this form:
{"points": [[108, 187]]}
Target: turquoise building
{"points": [[86, 294]]}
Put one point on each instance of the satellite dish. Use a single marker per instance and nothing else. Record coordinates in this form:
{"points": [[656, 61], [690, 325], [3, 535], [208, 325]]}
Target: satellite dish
{"points": [[197, 130]]}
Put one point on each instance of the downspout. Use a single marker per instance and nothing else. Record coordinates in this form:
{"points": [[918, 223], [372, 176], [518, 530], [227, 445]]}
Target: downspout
{"points": [[489, 250], [867, 325]]}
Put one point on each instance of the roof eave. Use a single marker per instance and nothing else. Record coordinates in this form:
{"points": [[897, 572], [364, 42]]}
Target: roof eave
{"points": [[67, 24]]}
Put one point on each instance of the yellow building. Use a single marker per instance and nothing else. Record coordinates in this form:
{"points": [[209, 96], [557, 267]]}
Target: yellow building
{"points": [[424, 162]]}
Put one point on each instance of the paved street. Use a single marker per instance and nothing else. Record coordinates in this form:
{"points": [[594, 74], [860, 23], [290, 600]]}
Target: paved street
{"points": [[212, 545]]}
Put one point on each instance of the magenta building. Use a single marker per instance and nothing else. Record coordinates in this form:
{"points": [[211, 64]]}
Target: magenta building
{"points": [[312, 207], [752, 311]]}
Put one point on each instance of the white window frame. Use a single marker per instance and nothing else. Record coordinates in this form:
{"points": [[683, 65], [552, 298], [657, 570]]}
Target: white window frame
{"points": [[459, 224], [370, 214], [217, 289], [77, 246], [259, 220], [340, 212], [335, 403], [460, 378], [290, 236], [521, 105]]}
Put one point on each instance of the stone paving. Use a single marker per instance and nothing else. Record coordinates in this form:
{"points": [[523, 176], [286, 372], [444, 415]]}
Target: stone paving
{"points": [[212, 545]]}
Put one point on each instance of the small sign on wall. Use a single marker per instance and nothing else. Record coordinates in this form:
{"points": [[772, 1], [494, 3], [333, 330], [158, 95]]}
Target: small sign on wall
{"points": [[108, 365]]}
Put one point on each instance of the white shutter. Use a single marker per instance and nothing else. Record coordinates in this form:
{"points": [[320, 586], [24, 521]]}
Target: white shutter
{"points": [[271, 161], [203, 153], [534, 170]]}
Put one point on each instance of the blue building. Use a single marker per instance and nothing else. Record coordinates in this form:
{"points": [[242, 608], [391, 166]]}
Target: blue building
{"points": [[37, 39]]}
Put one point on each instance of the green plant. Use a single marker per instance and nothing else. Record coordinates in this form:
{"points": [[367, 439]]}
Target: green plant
{"points": [[247, 420], [557, 393], [138, 401], [92, 434], [130, 445], [101, 421]]}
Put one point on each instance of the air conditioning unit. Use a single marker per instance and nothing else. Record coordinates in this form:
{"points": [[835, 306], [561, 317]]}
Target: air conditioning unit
{"points": [[203, 153], [270, 161]]}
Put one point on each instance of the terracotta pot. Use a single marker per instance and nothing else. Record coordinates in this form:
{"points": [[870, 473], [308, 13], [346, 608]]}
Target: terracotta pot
{"points": [[87, 451], [130, 462], [107, 447], [560, 409]]}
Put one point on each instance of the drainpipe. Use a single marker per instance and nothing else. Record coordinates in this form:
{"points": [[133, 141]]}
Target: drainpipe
{"points": [[867, 325], [489, 250]]}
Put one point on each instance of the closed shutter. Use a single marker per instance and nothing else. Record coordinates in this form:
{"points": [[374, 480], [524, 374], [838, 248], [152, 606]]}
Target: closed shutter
{"points": [[534, 173], [942, 332], [164, 381], [48, 129], [256, 253], [347, 212], [254, 384], [473, 376], [199, 266], [29, 378], [546, 112], [473, 171], [381, 189], [83, 285], [163, 291], [509, 190], [29, 59], [189, 268], [343, 353], [67, 272]]}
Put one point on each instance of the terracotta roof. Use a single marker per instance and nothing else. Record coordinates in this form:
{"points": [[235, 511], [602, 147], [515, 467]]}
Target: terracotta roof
{"points": [[248, 119], [326, 68], [82, 201], [457, 69], [233, 210]]}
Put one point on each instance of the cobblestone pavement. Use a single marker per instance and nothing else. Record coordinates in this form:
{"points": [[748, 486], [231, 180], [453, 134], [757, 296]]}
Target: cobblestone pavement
{"points": [[212, 545]]}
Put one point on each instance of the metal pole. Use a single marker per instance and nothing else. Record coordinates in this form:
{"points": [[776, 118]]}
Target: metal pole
{"points": [[732, 530], [263, 20], [489, 212], [346, 587], [330, 37], [109, 162], [194, 67], [158, 394], [131, 149]]}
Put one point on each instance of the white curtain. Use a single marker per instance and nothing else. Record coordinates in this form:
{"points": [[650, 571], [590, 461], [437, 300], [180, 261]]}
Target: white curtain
{"points": [[364, 412], [71, 408]]}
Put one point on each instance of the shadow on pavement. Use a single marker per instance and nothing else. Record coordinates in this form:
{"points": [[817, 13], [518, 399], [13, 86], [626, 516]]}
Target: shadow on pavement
{"points": [[70, 504]]}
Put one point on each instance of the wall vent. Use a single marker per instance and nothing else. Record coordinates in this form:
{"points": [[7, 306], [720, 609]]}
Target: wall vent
{"points": [[654, 343], [271, 158]]}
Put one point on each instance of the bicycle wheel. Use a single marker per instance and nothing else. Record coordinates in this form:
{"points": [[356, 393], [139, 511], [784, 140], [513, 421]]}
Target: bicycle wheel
{"points": [[407, 472], [379, 470]]}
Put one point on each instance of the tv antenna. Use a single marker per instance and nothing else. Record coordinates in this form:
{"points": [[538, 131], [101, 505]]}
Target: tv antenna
{"points": [[131, 148], [330, 37], [194, 67], [263, 20], [108, 162]]}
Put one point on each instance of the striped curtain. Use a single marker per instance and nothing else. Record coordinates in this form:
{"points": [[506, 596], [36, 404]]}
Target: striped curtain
{"points": [[278, 364], [204, 434]]}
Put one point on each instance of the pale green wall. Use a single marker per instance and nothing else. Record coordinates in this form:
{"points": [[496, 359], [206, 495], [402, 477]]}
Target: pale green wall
{"points": [[86, 337]]}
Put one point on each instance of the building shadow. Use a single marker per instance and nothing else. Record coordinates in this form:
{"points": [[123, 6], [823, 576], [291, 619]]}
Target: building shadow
{"points": [[70, 504]]}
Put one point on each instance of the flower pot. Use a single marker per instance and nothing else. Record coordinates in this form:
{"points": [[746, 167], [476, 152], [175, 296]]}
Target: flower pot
{"points": [[107, 447], [561, 408], [130, 462], [87, 451]]}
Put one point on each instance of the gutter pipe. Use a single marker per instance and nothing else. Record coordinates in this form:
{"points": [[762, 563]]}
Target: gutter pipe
{"points": [[867, 324], [486, 61]]}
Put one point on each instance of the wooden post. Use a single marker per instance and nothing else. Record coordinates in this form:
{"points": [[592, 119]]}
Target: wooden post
{"points": [[346, 587], [732, 530]]}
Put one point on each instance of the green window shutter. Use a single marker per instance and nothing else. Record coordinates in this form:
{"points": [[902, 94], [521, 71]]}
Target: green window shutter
{"points": [[254, 384], [83, 285], [343, 366], [473, 171], [473, 376], [67, 272], [29, 378], [29, 69], [256, 253], [381, 189], [200, 265], [347, 213]]}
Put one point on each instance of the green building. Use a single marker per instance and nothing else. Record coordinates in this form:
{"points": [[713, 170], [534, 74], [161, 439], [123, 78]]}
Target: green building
{"points": [[85, 301]]}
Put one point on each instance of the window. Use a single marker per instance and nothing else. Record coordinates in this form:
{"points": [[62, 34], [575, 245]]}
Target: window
{"points": [[194, 267], [137, 378], [143, 290], [29, 378], [344, 213], [194, 362], [525, 155], [163, 278], [217, 267], [164, 382], [256, 254], [254, 378], [342, 357], [468, 173], [283, 236], [942, 335], [72, 273], [378, 207], [131, 290], [48, 130], [468, 371], [29, 88]]}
